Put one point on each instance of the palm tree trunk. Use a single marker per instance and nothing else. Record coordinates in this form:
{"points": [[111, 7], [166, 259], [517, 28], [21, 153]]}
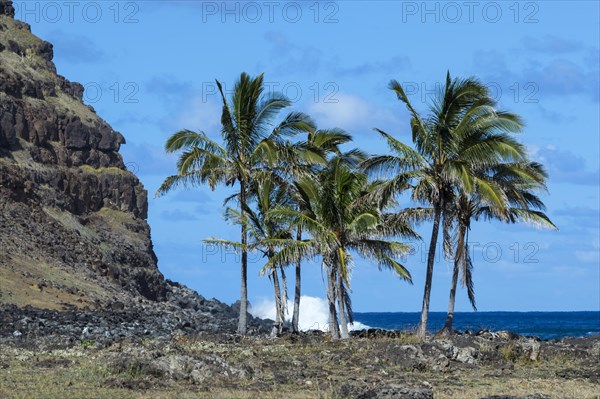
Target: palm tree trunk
{"points": [[458, 258], [296, 314], [243, 319], [342, 307], [422, 330], [334, 327], [278, 306], [284, 297], [447, 330]]}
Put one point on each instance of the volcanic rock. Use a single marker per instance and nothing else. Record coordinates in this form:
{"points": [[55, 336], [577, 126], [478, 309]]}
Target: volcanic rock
{"points": [[72, 217]]}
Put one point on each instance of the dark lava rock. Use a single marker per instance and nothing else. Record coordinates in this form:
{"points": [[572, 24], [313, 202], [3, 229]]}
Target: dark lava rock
{"points": [[376, 333], [118, 321], [6, 8], [518, 397], [387, 392]]}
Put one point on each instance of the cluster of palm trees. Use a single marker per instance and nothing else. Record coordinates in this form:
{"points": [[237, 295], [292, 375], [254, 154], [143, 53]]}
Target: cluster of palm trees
{"points": [[300, 196]]}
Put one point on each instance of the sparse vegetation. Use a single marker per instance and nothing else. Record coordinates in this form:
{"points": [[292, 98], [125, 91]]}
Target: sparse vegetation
{"points": [[273, 369], [69, 221], [50, 286], [85, 343], [111, 170], [509, 352], [120, 224]]}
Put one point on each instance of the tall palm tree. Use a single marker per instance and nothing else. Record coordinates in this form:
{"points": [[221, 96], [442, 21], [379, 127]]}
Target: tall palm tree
{"points": [[250, 140], [319, 143], [518, 183], [341, 218], [264, 232], [462, 129], [300, 158]]}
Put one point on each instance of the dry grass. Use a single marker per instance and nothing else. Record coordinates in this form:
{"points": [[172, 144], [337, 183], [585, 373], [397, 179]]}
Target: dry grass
{"points": [[83, 378], [70, 222], [477, 384], [111, 170], [29, 63], [20, 285], [310, 370], [120, 224]]}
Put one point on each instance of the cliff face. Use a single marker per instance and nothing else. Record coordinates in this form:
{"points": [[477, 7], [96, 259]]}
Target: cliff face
{"points": [[72, 218]]}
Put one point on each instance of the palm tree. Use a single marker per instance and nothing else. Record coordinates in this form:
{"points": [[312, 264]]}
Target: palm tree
{"points": [[320, 143], [342, 218], [250, 140], [462, 129], [517, 182], [263, 232], [271, 189]]}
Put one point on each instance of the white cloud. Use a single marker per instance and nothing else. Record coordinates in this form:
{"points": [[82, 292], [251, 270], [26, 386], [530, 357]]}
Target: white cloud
{"points": [[346, 111], [201, 113], [350, 113], [564, 165]]}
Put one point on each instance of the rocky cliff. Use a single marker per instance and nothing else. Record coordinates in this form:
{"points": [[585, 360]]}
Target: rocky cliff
{"points": [[72, 218]]}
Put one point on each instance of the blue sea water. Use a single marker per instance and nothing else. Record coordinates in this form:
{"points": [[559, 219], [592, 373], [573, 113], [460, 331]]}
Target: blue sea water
{"points": [[546, 325]]}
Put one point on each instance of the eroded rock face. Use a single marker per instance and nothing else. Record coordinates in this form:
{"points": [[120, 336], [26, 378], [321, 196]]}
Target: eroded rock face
{"points": [[67, 202]]}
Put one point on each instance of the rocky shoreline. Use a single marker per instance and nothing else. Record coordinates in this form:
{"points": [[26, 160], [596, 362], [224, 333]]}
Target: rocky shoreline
{"points": [[187, 345]]}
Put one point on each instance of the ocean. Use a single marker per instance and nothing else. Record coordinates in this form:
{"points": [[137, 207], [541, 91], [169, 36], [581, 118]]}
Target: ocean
{"points": [[546, 325]]}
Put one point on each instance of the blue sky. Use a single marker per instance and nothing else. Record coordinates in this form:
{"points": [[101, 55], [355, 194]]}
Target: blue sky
{"points": [[149, 70]]}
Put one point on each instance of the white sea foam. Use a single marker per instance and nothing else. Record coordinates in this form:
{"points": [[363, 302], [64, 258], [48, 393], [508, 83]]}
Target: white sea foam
{"points": [[357, 326], [313, 313]]}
